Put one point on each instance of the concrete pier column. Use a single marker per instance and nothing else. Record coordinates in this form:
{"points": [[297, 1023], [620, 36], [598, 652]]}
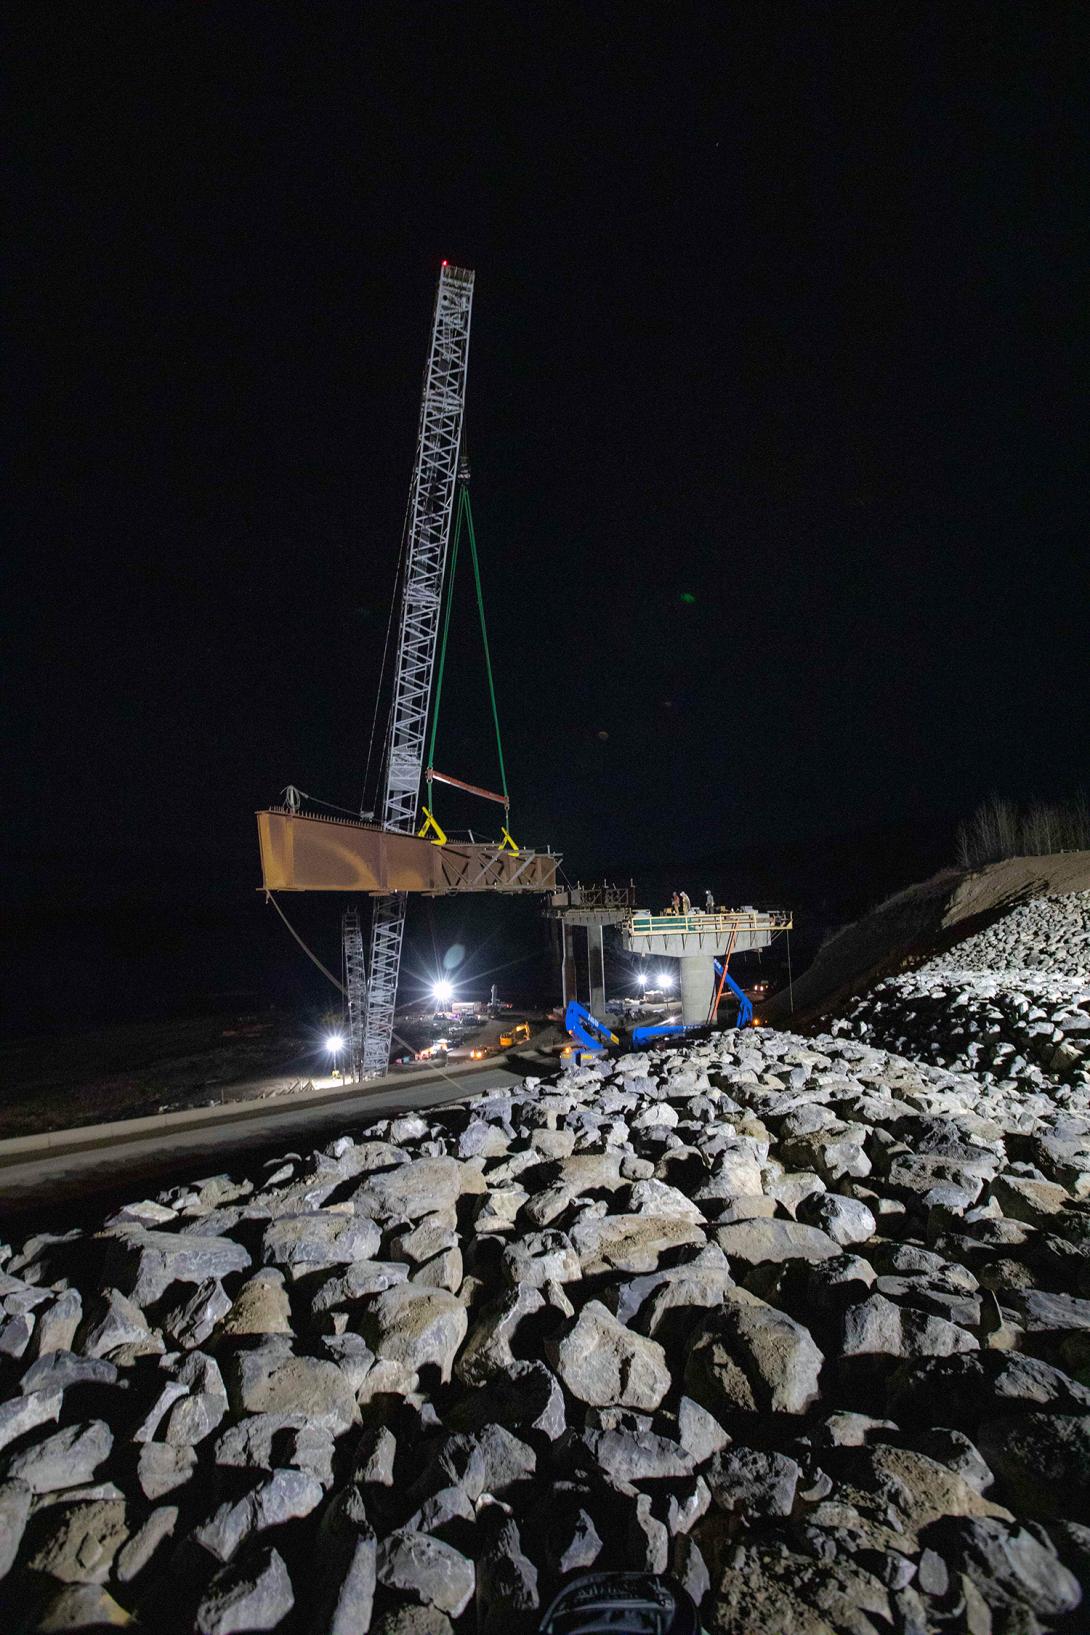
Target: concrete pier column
{"points": [[596, 963], [567, 962], [696, 988]]}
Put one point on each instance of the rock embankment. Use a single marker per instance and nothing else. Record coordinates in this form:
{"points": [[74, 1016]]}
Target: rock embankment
{"points": [[802, 1321], [910, 927], [1011, 1005]]}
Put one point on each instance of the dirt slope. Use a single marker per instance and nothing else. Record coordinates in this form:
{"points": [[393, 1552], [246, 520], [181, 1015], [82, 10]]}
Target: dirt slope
{"points": [[923, 920]]}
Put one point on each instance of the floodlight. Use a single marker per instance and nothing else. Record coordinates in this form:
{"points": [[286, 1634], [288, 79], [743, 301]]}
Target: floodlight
{"points": [[335, 1043], [443, 991]]}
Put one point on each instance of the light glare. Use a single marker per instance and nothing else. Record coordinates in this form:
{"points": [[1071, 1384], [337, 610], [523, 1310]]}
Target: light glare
{"points": [[335, 1043], [443, 991]]}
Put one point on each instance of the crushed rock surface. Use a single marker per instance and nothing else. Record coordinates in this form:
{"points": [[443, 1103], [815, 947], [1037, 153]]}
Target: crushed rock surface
{"points": [[804, 1322]]}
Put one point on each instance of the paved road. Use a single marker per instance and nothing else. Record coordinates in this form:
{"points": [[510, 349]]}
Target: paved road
{"points": [[72, 1167]]}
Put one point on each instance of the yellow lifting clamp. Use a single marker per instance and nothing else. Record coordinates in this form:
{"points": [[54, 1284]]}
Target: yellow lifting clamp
{"points": [[507, 844], [430, 823]]}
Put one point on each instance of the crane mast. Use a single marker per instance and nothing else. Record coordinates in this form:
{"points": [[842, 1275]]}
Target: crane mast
{"points": [[428, 520]]}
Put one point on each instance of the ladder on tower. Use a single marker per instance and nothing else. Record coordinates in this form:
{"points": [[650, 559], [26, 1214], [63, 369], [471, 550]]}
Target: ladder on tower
{"points": [[428, 521]]}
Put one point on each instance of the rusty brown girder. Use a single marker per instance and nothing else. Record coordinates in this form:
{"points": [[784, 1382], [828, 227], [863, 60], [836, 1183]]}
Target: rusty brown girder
{"points": [[306, 853]]}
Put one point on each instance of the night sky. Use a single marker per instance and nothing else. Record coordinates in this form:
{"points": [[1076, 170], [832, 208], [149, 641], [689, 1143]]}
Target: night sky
{"points": [[776, 417]]}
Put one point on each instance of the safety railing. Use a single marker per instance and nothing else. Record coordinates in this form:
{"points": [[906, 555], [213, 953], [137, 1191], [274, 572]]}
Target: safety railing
{"points": [[720, 922]]}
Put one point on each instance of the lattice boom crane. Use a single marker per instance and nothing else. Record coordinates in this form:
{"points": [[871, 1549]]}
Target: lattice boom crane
{"points": [[382, 853], [431, 507]]}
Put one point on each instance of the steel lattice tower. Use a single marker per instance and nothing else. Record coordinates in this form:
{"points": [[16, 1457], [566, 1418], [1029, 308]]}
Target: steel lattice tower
{"points": [[431, 506], [355, 987]]}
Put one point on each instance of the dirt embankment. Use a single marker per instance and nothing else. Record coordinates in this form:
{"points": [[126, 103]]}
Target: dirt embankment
{"points": [[148, 1067], [915, 924]]}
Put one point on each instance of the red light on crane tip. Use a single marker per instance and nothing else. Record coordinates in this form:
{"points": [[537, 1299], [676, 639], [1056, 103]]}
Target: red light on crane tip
{"points": [[446, 263]]}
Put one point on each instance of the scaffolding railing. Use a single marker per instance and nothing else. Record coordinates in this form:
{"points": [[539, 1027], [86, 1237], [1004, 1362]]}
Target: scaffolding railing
{"points": [[719, 922]]}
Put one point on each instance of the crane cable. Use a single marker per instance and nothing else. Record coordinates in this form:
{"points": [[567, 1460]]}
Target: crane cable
{"points": [[270, 897], [464, 509]]}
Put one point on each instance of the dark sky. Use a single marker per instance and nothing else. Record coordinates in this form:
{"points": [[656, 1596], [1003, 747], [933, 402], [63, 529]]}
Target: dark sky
{"points": [[776, 413]]}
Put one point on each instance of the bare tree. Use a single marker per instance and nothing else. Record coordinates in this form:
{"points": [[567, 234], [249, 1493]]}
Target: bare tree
{"points": [[965, 853], [1080, 822], [1037, 829], [997, 830], [1006, 827]]}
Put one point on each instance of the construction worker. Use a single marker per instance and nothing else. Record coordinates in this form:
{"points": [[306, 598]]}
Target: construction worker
{"points": [[675, 904], [686, 903], [709, 903]]}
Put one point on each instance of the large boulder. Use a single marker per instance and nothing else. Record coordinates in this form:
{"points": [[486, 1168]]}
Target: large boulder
{"points": [[431, 1572], [1042, 1462], [81, 1540], [307, 1390], [540, 1258], [1018, 1576], [282, 1496], [753, 1242], [261, 1306], [69, 1458], [488, 1350], [423, 1187], [752, 1482], [114, 1322], [143, 1264], [879, 1328], [751, 1357], [601, 1362], [630, 1243], [415, 1325], [15, 1501], [25, 1413], [252, 1594], [322, 1237]]}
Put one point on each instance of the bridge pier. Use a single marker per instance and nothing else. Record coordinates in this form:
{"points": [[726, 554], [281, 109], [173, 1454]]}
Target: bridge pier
{"points": [[596, 968], [696, 988], [696, 941], [567, 962], [592, 908]]}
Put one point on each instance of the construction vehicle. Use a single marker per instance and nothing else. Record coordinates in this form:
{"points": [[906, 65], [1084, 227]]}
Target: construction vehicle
{"points": [[593, 1037], [518, 1035]]}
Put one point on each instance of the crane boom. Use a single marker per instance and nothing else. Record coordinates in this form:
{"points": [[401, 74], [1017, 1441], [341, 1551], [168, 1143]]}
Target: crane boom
{"points": [[431, 506]]}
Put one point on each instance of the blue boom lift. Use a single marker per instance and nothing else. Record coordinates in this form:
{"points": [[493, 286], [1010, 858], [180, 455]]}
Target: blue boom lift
{"points": [[594, 1036]]}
